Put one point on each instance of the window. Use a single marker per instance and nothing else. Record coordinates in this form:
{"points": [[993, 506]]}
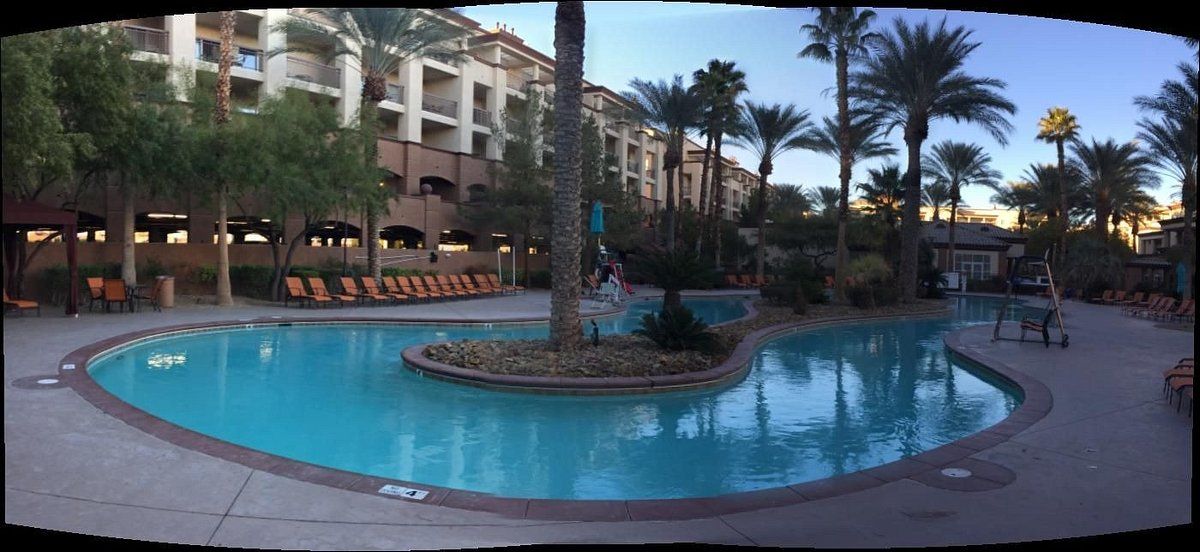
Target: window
{"points": [[975, 266]]}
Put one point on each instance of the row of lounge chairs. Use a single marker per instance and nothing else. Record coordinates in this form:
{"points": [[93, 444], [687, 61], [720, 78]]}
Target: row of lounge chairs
{"points": [[1178, 382], [1156, 306], [748, 281], [396, 289]]}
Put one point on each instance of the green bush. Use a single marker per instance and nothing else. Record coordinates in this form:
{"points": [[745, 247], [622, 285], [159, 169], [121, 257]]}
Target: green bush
{"points": [[674, 271], [397, 271], [870, 269], [251, 280], [870, 296], [678, 329], [150, 270], [205, 274], [789, 293], [933, 280]]}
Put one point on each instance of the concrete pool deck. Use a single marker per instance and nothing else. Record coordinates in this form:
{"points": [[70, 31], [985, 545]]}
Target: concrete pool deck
{"points": [[1109, 456]]}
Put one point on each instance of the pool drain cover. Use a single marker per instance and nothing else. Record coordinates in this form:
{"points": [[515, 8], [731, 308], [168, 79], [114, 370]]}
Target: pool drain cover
{"points": [[957, 473], [48, 381]]}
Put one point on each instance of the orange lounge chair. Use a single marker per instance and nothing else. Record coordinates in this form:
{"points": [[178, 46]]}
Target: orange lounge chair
{"points": [[829, 282], [1178, 386], [319, 290], [95, 291], [759, 281], [495, 280], [1137, 298], [1186, 309], [152, 297], [1153, 298], [393, 288], [1154, 303], [22, 305], [731, 281], [1104, 298], [115, 292], [1116, 298], [746, 280], [1177, 372], [351, 288], [1165, 305], [372, 288], [432, 282], [456, 284], [468, 283], [419, 284], [590, 285], [295, 291], [484, 283], [413, 287]]}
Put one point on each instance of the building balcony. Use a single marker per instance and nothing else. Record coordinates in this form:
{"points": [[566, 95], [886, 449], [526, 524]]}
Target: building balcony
{"points": [[148, 40], [518, 80], [439, 105], [308, 71], [631, 166], [246, 58], [481, 117], [395, 93]]}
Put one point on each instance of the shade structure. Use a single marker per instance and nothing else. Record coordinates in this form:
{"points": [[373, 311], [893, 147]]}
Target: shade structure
{"points": [[597, 225], [21, 214]]}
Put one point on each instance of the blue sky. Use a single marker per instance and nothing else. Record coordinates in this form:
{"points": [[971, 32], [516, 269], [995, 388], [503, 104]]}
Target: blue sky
{"points": [[1095, 70]]}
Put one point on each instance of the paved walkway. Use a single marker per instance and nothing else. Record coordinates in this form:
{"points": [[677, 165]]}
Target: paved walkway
{"points": [[1110, 456]]}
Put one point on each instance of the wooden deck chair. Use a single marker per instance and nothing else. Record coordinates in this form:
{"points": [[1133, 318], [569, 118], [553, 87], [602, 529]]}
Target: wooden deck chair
{"points": [[114, 292], [22, 305], [1187, 307], [95, 291], [1165, 305], [349, 287], [457, 284], [295, 292], [318, 289], [1137, 298], [371, 287]]}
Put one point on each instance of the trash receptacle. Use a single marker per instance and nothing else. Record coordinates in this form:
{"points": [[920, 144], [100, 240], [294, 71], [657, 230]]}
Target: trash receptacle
{"points": [[166, 292]]}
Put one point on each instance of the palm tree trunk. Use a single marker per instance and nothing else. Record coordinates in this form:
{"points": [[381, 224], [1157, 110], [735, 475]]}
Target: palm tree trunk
{"points": [[703, 205], [718, 198], [224, 287], [128, 257], [910, 224], [368, 118], [670, 161], [953, 222], [1189, 238], [1100, 224], [843, 251], [566, 330], [1062, 202], [760, 248]]}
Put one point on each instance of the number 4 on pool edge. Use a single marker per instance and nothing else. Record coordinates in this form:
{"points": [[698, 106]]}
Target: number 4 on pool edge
{"points": [[396, 490]]}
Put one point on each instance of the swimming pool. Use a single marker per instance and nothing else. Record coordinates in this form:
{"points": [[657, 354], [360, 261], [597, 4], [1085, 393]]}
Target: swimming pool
{"points": [[815, 404]]}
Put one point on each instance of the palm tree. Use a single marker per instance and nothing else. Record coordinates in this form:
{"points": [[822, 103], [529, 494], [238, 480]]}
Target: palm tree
{"points": [[1014, 195], [884, 193], [1133, 205], [840, 35], [768, 132], [221, 117], [718, 86], [728, 126], [916, 78], [1059, 127], [936, 195], [788, 202], [825, 199], [566, 331], [1171, 141], [1109, 171], [958, 165], [376, 41], [678, 110]]}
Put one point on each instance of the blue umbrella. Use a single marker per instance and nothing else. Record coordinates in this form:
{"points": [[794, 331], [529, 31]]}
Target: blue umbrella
{"points": [[597, 217]]}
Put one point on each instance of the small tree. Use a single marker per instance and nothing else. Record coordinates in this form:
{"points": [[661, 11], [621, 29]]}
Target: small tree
{"points": [[674, 271]]}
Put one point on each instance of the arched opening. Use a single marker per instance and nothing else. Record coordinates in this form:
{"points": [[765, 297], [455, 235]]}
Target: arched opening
{"points": [[477, 193], [455, 240], [331, 233], [245, 229], [160, 227], [441, 187], [400, 236]]}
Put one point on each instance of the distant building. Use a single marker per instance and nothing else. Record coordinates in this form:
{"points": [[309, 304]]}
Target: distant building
{"points": [[981, 251]]}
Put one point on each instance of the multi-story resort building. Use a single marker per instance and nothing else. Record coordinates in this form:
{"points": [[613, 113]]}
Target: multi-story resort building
{"points": [[437, 141], [737, 181]]}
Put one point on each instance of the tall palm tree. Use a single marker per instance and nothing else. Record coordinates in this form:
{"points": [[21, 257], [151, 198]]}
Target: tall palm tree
{"points": [[678, 110], [840, 35], [884, 193], [727, 126], [958, 165], [718, 85], [566, 331], [770, 131], [1109, 171], [1171, 141], [376, 41], [915, 78], [1132, 205], [826, 199], [1059, 127], [221, 117], [788, 202], [1014, 195], [935, 196]]}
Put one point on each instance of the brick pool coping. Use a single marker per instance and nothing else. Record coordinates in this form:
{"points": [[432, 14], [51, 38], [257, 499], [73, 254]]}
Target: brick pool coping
{"points": [[1036, 404]]}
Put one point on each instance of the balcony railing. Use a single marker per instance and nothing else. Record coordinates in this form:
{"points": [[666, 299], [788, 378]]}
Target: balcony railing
{"points": [[518, 80], [481, 117], [148, 40], [249, 58], [307, 71], [395, 93], [439, 105], [632, 166]]}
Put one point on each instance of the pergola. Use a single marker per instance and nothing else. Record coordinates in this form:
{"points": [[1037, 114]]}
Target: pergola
{"points": [[28, 215]]}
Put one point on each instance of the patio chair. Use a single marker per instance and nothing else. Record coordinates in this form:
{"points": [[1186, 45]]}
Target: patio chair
{"points": [[95, 291], [1152, 305], [1186, 309], [469, 284], [319, 290], [731, 281], [589, 285], [484, 283], [1104, 298], [1137, 298], [413, 288], [21, 305], [392, 287], [1177, 372], [349, 287], [456, 284], [830, 282], [152, 297], [1152, 299], [370, 287], [1178, 386], [1116, 298], [295, 292], [419, 284], [114, 292], [495, 280], [432, 282], [760, 281], [1166, 304]]}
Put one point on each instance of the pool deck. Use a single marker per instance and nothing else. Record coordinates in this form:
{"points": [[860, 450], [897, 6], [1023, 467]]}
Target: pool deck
{"points": [[1109, 456]]}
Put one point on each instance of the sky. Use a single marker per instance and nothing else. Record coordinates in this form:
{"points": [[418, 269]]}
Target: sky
{"points": [[1094, 70]]}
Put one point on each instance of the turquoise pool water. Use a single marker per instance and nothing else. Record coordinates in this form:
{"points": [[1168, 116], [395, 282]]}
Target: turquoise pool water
{"points": [[815, 404]]}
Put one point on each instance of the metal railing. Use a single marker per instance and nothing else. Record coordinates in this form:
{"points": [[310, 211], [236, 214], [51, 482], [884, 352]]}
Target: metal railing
{"points": [[439, 105], [147, 39], [395, 93], [307, 71], [249, 58], [481, 117]]}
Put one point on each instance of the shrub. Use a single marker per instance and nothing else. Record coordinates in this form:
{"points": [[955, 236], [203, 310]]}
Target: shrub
{"points": [[678, 329], [870, 296], [870, 269], [397, 271], [675, 271], [251, 280], [788, 293], [932, 280], [151, 269], [205, 274]]}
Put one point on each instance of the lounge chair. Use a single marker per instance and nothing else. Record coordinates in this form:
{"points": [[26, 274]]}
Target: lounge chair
{"points": [[95, 291], [484, 283], [470, 284], [1116, 298], [1104, 298], [745, 280], [495, 280], [433, 282], [1153, 298], [456, 284], [391, 287], [760, 281], [830, 282], [1165, 305], [413, 290], [370, 287], [1137, 298], [419, 284], [1186, 309], [319, 290], [731, 281], [21, 305], [295, 292], [115, 292], [1178, 386], [1152, 305], [1177, 372], [351, 288]]}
